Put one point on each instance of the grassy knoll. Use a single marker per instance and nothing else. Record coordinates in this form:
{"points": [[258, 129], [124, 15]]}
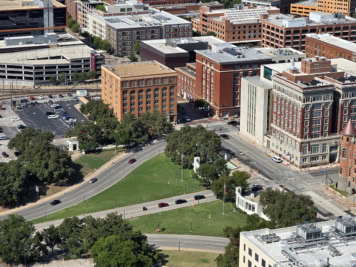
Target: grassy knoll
{"points": [[155, 179], [176, 258], [204, 219]]}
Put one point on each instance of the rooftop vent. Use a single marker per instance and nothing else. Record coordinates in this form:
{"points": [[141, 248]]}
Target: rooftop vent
{"points": [[309, 232], [269, 238], [346, 226]]}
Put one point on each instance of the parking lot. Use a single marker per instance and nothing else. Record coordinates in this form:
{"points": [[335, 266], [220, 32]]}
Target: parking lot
{"points": [[35, 116]]}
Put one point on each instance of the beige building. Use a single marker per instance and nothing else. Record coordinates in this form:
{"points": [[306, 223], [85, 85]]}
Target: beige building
{"points": [[330, 243], [140, 87]]}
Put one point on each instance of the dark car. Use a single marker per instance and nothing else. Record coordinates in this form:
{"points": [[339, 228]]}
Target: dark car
{"points": [[50, 102], [225, 136], [20, 126], [69, 94], [233, 123], [162, 205], [93, 180], [16, 153], [60, 96], [49, 113], [131, 161], [5, 155], [197, 197], [1, 129], [50, 96], [180, 201], [256, 187], [55, 202]]}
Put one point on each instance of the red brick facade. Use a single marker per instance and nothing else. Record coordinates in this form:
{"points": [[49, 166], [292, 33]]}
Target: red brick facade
{"points": [[167, 2]]}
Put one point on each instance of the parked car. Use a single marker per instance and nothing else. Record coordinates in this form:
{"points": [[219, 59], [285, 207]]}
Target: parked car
{"points": [[163, 204], [56, 106], [5, 155], [131, 161], [49, 113], [41, 97], [197, 197], [20, 126], [32, 98], [256, 187], [93, 180], [180, 201], [60, 96], [50, 96], [233, 123], [276, 159], [241, 153], [50, 102], [55, 202], [1, 130], [53, 117], [69, 94], [15, 119], [3, 137], [225, 136], [16, 153]]}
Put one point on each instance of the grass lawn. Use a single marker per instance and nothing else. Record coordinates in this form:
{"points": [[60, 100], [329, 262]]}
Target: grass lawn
{"points": [[180, 220], [175, 258], [342, 192], [92, 161], [146, 183]]}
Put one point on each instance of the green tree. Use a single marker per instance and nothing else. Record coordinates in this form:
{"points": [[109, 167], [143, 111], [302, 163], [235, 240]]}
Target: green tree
{"points": [[51, 237], [193, 142], [75, 28], [109, 127], [113, 251], [28, 137], [18, 242], [92, 74], [89, 135], [97, 41], [96, 109], [237, 179], [156, 124], [136, 48], [133, 57], [105, 45], [14, 183], [207, 174], [53, 79], [101, 7], [62, 77], [287, 208]]}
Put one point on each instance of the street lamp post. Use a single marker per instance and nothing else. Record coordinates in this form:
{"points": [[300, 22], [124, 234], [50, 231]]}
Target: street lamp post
{"points": [[185, 185], [191, 226]]}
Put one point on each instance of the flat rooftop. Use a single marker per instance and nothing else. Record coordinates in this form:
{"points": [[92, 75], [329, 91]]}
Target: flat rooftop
{"points": [[169, 47], [228, 53], [260, 1], [143, 68], [256, 80], [333, 40], [211, 4], [52, 55], [154, 19], [7, 5], [272, 52], [329, 242], [307, 3], [279, 19]]}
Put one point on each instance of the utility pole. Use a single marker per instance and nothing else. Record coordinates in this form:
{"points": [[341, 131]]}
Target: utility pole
{"points": [[223, 212]]}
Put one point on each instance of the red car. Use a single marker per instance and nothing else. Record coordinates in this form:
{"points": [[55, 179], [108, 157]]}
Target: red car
{"points": [[162, 205], [32, 98], [131, 161]]}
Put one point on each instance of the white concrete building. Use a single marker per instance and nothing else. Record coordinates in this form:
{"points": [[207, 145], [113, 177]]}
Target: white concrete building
{"points": [[249, 204], [282, 55], [323, 244], [255, 118]]}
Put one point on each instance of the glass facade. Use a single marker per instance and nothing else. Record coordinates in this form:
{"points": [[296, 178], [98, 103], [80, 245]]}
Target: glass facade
{"points": [[28, 22]]}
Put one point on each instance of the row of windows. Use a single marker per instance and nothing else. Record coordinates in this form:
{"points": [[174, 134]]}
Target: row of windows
{"points": [[148, 82]]}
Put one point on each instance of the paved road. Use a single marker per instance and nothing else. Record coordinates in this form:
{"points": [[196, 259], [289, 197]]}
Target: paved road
{"points": [[189, 242], [106, 179], [137, 211]]}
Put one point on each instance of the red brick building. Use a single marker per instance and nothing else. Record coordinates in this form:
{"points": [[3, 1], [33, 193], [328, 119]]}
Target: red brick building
{"points": [[186, 80], [167, 2], [329, 46], [140, 87], [219, 72], [188, 8], [347, 168]]}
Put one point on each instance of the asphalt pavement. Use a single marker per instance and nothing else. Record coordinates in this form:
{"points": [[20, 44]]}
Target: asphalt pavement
{"points": [[106, 179], [136, 210]]}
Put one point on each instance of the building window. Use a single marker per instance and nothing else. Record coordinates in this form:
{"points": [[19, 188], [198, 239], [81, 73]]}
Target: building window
{"points": [[250, 252], [148, 82], [132, 84], [315, 149], [256, 257], [156, 81], [344, 153], [324, 148], [263, 263], [249, 263]]}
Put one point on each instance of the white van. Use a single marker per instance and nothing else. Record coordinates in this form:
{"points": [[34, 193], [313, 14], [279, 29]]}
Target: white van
{"points": [[3, 137], [53, 117], [277, 159]]}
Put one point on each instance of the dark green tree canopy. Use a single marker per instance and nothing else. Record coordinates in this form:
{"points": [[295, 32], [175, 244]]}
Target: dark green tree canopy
{"points": [[287, 208], [193, 142], [30, 137]]}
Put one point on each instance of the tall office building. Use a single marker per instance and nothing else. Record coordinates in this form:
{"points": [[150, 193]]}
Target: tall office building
{"points": [[31, 17]]}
